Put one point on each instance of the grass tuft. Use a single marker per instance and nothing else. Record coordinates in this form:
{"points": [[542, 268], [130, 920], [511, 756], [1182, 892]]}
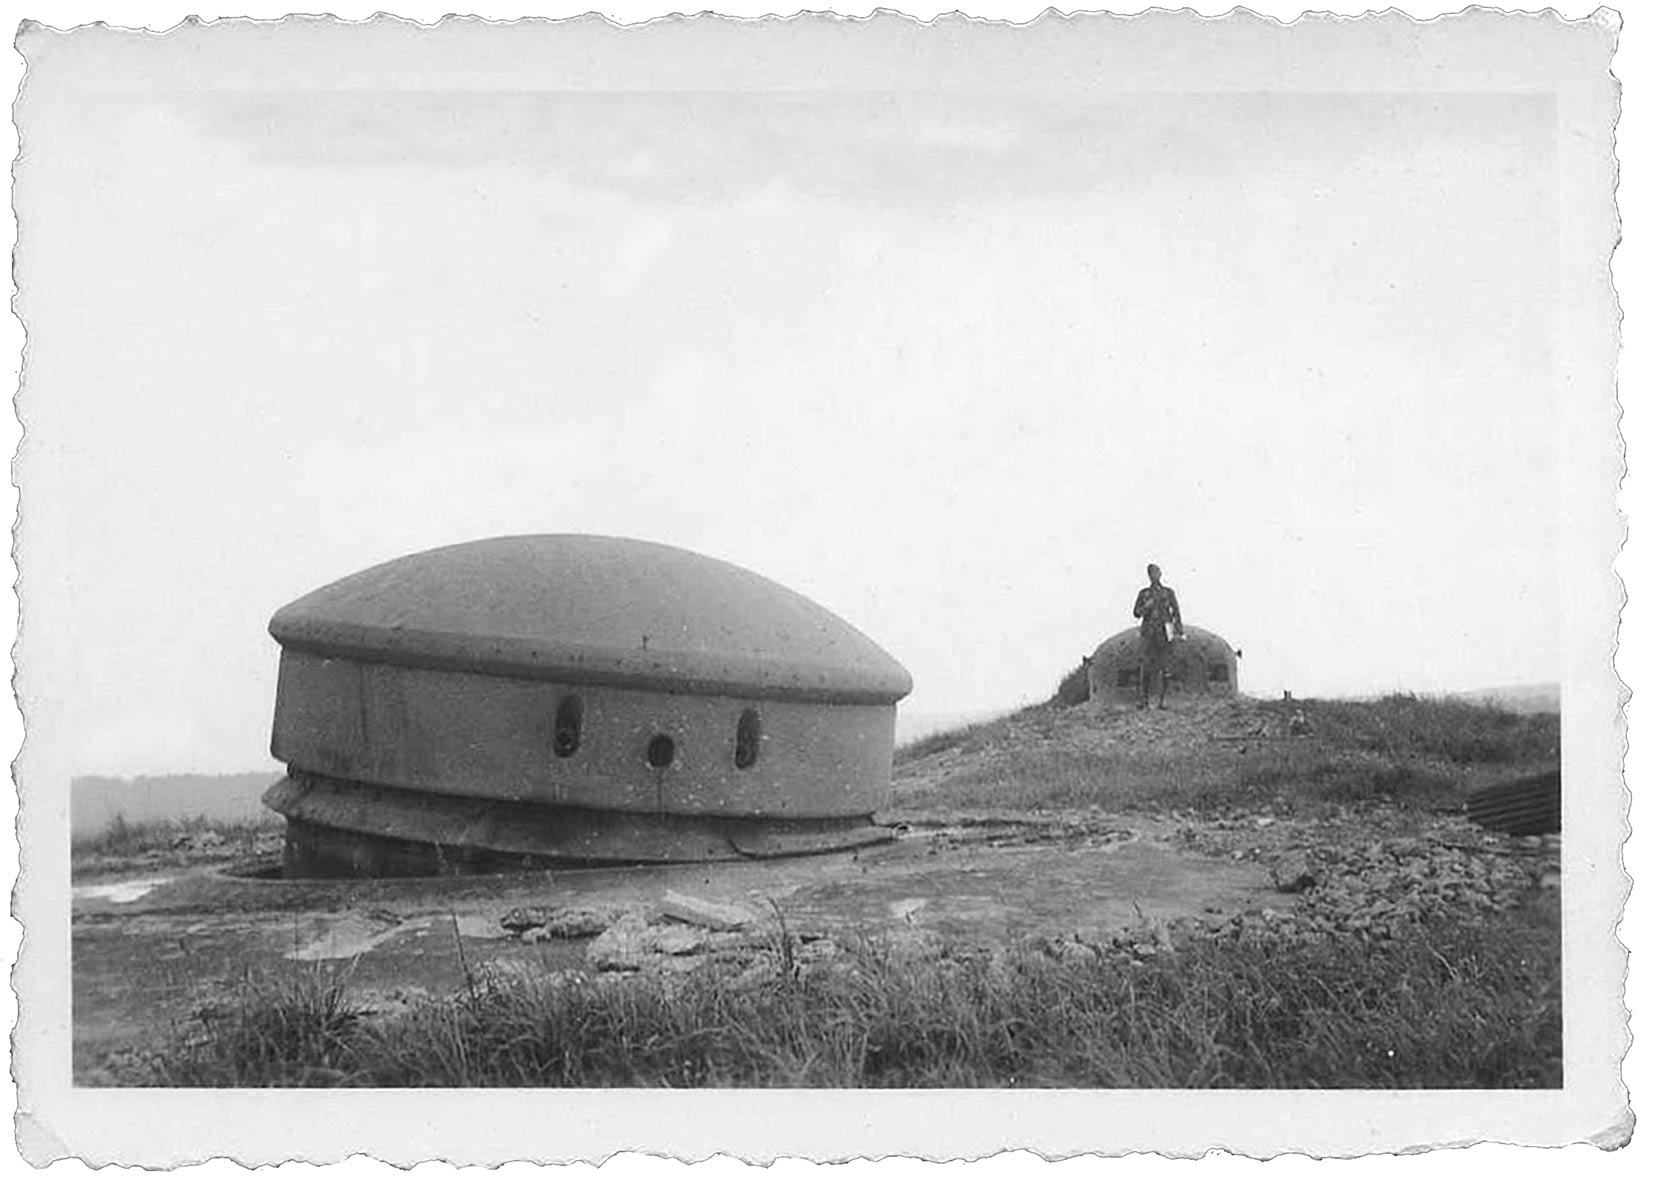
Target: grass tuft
{"points": [[300, 1029], [123, 838], [1446, 1005], [1464, 732], [1073, 689], [968, 739], [1411, 752]]}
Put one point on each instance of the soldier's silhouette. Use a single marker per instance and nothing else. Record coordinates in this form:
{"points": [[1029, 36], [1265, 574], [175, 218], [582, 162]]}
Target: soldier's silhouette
{"points": [[1157, 610]]}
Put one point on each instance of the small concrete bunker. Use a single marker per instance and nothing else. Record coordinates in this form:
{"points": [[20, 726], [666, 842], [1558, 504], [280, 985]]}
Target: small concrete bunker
{"points": [[576, 698], [1200, 663]]}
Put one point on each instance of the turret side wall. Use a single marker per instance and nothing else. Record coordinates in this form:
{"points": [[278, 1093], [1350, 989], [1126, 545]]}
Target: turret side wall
{"points": [[1195, 667], [491, 737]]}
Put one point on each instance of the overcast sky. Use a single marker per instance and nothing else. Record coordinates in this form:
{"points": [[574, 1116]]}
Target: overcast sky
{"points": [[957, 367]]}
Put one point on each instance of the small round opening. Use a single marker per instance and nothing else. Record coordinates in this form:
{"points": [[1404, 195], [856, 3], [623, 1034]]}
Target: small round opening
{"points": [[747, 739], [659, 753]]}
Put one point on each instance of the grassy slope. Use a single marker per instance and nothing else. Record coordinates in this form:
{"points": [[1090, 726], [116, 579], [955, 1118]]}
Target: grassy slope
{"points": [[1225, 754]]}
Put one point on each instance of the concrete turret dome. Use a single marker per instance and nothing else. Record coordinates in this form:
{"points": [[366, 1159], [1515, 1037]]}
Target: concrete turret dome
{"points": [[594, 610], [573, 698]]}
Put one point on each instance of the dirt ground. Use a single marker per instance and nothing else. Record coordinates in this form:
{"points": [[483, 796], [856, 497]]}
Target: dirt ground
{"points": [[158, 936], [149, 947]]}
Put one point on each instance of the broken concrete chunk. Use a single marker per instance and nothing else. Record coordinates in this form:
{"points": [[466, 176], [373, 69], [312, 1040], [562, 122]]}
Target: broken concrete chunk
{"points": [[674, 940], [698, 911], [199, 841], [621, 946], [563, 921], [1295, 873], [524, 917], [632, 944]]}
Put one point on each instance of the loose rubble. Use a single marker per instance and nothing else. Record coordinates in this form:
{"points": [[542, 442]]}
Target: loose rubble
{"points": [[199, 842], [699, 912], [1295, 873], [1350, 873], [540, 923], [632, 943], [1377, 889]]}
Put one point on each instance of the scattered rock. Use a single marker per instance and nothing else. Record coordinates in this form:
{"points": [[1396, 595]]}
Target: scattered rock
{"points": [[621, 946], [1294, 873], [563, 921], [206, 841], [697, 911], [632, 944], [674, 940]]}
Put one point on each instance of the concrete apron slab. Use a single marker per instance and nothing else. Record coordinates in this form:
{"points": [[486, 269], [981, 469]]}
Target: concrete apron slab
{"points": [[143, 955]]}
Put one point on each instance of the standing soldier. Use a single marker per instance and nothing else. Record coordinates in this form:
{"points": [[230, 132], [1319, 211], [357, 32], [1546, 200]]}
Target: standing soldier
{"points": [[1156, 608]]}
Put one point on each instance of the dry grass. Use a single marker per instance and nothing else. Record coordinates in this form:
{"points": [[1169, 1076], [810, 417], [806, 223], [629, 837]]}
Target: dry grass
{"points": [[1449, 1005], [1461, 732], [1073, 689], [967, 738], [1402, 751], [1287, 779], [122, 840]]}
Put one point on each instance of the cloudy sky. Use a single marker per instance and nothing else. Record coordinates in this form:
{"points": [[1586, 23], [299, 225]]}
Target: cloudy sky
{"points": [[956, 366]]}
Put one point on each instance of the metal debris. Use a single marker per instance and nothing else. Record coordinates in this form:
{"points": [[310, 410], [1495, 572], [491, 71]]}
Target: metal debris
{"points": [[1526, 807]]}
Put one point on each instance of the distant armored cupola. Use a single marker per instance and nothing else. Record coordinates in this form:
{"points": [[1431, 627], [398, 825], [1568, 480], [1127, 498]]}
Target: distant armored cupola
{"points": [[1200, 663]]}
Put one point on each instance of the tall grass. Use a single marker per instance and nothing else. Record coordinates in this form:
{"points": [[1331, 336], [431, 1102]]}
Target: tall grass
{"points": [[1464, 732], [1402, 750], [1073, 689], [123, 838], [1284, 778], [971, 739], [300, 1028], [1448, 1005]]}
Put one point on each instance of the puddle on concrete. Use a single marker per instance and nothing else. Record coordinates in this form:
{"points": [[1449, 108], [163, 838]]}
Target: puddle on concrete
{"points": [[353, 936], [119, 892]]}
